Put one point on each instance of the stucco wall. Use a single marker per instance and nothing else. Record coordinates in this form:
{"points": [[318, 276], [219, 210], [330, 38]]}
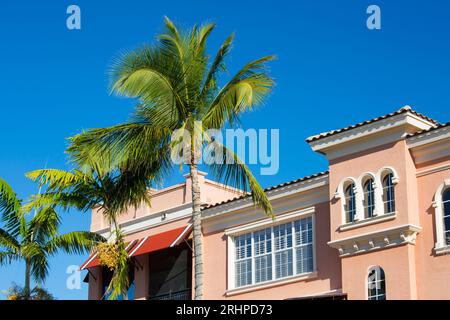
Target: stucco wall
{"points": [[327, 262], [433, 271], [397, 265]]}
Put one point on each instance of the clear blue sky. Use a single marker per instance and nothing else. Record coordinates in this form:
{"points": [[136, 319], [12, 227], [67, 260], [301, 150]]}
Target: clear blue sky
{"points": [[331, 72]]}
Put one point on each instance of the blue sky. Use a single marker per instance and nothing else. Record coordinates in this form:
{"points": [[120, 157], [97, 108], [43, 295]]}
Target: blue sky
{"points": [[331, 72]]}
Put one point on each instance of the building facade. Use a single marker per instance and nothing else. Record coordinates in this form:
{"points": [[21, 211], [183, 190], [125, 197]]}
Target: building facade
{"points": [[375, 225]]}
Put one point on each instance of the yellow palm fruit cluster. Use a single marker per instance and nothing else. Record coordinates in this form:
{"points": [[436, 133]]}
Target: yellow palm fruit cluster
{"points": [[108, 254]]}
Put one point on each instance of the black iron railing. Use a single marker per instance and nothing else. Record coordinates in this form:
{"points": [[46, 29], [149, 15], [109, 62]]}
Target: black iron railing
{"points": [[176, 295]]}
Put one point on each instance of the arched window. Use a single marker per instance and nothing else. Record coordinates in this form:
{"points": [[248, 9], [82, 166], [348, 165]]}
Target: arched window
{"points": [[350, 202], [388, 193], [446, 212], [376, 284], [369, 198]]}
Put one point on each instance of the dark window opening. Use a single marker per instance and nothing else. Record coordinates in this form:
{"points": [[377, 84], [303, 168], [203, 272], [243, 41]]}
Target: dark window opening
{"points": [[171, 273]]}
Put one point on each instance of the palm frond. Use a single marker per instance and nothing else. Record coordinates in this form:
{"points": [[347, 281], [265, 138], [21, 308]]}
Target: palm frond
{"points": [[76, 242], [62, 200], [233, 172], [10, 207], [57, 179], [8, 257], [8, 241], [247, 89], [44, 225], [217, 66], [151, 76]]}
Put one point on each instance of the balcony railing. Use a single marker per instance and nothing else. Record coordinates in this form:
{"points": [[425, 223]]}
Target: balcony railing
{"points": [[177, 295]]}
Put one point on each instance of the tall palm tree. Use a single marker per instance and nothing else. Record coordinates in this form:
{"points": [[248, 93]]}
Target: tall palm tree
{"points": [[35, 240], [111, 192], [177, 87]]}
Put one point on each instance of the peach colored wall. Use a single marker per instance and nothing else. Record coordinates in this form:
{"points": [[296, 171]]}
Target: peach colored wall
{"points": [[327, 262], [433, 271], [396, 263], [394, 155], [170, 198], [399, 263], [141, 278]]}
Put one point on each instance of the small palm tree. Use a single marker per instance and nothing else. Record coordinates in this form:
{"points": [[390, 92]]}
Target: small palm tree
{"points": [[35, 240], [177, 87], [111, 193], [16, 292]]}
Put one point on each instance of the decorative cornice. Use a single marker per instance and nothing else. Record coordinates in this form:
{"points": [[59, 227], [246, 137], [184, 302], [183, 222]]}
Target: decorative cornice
{"points": [[369, 135], [403, 110], [381, 239], [281, 191], [431, 145]]}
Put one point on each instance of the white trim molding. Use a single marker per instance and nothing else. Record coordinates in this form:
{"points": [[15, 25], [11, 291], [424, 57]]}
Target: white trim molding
{"points": [[378, 215], [386, 238], [269, 222], [152, 220], [368, 221], [440, 246], [340, 194], [275, 194], [386, 170], [431, 145], [377, 193], [272, 283], [370, 135]]}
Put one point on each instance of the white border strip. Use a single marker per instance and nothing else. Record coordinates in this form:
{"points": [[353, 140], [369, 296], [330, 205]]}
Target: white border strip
{"points": [[138, 246], [261, 224], [89, 261], [130, 245], [185, 231]]}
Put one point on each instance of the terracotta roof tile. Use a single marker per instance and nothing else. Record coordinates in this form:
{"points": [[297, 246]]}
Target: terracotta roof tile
{"points": [[439, 126], [400, 111], [269, 189]]}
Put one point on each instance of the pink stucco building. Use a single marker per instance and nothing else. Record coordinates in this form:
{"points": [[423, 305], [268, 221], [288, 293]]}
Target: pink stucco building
{"points": [[373, 226]]}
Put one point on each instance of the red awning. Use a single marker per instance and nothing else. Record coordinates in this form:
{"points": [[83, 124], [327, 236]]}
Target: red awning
{"points": [[160, 241], [93, 261]]}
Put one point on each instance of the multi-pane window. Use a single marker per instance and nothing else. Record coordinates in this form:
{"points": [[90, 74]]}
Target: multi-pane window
{"points": [[446, 211], [376, 284], [350, 203], [274, 253], [283, 250], [243, 260], [263, 255], [304, 245], [369, 198], [388, 193]]}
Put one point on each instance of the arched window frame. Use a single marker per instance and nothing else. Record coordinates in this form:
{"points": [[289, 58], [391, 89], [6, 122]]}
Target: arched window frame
{"points": [[441, 245], [378, 200], [381, 174], [380, 276], [340, 194]]}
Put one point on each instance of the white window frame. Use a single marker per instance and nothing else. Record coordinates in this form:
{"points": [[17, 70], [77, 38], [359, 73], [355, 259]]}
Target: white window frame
{"points": [[340, 194], [381, 174], [440, 245], [379, 213], [376, 269], [259, 226]]}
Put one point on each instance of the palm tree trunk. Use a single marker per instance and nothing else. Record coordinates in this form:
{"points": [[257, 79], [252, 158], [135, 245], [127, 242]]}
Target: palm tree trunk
{"points": [[27, 289], [198, 239]]}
